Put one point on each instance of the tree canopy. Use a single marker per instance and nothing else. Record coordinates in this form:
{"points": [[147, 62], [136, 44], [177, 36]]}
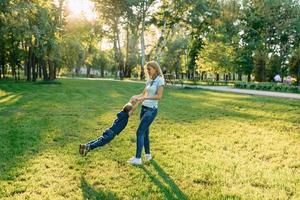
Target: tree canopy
{"points": [[39, 39]]}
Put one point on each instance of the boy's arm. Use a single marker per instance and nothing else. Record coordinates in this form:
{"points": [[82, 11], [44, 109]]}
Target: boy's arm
{"points": [[133, 108]]}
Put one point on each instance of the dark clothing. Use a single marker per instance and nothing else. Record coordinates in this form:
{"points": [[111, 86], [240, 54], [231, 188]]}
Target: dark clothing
{"points": [[118, 125], [120, 122]]}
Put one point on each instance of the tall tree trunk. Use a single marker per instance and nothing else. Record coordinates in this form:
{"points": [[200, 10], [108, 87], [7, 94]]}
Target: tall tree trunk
{"points": [[77, 69], [19, 67], [44, 70], [126, 70], [1, 65], [51, 70], [40, 69], [26, 67], [161, 41], [176, 73], [33, 66], [54, 70], [3, 71], [202, 76], [102, 71], [13, 71], [14, 59], [249, 77], [143, 41], [88, 71], [116, 52], [117, 49], [133, 50], [298, 73], [121, 59], [239, 76], [57, 72], [29, 63]]}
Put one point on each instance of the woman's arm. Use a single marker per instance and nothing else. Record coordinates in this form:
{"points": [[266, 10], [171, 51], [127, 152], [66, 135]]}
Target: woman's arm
{"points": [[136, 97], [158, 96]]}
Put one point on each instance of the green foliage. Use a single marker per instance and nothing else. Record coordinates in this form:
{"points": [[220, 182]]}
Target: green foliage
{"points": [[260, 59], [295, 64], [174, 54], [268, 87], [268, 28], [273, 67], [244, 37], [31, 37], [217, 57]]}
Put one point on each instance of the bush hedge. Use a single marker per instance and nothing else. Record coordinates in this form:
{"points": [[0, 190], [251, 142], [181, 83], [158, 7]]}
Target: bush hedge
{"points": [[267, 86]]}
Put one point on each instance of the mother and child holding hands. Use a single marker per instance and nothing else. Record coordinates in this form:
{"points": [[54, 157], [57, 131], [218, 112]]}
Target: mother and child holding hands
{"points": [[149, 98]]}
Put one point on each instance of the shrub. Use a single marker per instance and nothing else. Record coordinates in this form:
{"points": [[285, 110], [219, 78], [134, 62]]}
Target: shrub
{"points": [[252, 86], [268, 86]]}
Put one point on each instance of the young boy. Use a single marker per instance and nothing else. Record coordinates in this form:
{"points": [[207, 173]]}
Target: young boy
{"points": [[118, 125]]}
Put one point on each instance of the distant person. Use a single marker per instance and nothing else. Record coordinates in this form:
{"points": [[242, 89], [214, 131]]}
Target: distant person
{"points": [[164, 71], [288, 80], [277, 78], [118, 125]]}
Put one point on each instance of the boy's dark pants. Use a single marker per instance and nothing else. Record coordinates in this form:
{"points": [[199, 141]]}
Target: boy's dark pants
{"points": [[107, 136]]}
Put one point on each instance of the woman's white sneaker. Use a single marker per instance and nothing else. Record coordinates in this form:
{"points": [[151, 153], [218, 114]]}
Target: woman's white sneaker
{"points": [[135, 161], [148, 157]]}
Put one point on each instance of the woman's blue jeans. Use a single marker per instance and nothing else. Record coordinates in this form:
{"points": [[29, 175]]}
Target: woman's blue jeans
{"points": [[147, 116]]}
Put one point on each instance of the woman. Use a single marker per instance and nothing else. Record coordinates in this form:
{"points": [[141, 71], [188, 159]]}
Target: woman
{"points": [[149, 98]]}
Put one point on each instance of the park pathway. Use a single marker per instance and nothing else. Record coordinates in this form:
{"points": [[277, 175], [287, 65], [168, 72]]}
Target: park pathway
{"points": [[250, 92]]}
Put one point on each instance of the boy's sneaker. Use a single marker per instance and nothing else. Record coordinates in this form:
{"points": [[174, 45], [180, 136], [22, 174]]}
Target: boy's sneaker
{"points": [[83, 149], [135, 161], [148, 157]]}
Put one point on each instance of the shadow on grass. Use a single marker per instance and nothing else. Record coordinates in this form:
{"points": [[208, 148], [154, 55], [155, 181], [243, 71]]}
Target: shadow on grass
{"points": [[90, 193], [171, 191]]}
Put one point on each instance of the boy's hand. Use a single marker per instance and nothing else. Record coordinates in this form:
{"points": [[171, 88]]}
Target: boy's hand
{"points": [[133, 101], [141, 99], [130, 112], [134, 98]]}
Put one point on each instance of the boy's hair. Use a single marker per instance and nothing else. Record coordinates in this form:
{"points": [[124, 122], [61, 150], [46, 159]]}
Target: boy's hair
{"points": [[127, 107]]}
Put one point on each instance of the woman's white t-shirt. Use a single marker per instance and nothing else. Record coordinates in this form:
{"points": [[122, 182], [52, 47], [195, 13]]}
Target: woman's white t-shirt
{"points": [[151, 89]]}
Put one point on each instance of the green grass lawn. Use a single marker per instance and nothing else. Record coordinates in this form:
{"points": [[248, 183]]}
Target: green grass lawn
{"points": [[206, 145]]}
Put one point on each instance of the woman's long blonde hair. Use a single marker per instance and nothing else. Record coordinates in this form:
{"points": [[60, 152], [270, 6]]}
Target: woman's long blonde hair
{"points": [[154, 65]]}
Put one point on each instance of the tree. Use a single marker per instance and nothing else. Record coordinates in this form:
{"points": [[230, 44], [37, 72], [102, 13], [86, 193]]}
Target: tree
{"points": [[270, 26], [273, 67], [171, 58], [295, 65], [259, 59], [199, 20], [112, 11], [216, 57], [100, 61]]}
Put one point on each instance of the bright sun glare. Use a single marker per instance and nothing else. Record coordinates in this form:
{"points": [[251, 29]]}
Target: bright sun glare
{"points": [[81, 7]]}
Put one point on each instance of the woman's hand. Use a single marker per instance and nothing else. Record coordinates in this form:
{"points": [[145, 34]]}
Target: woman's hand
{"points": [[141, 99], [134, 98]]}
